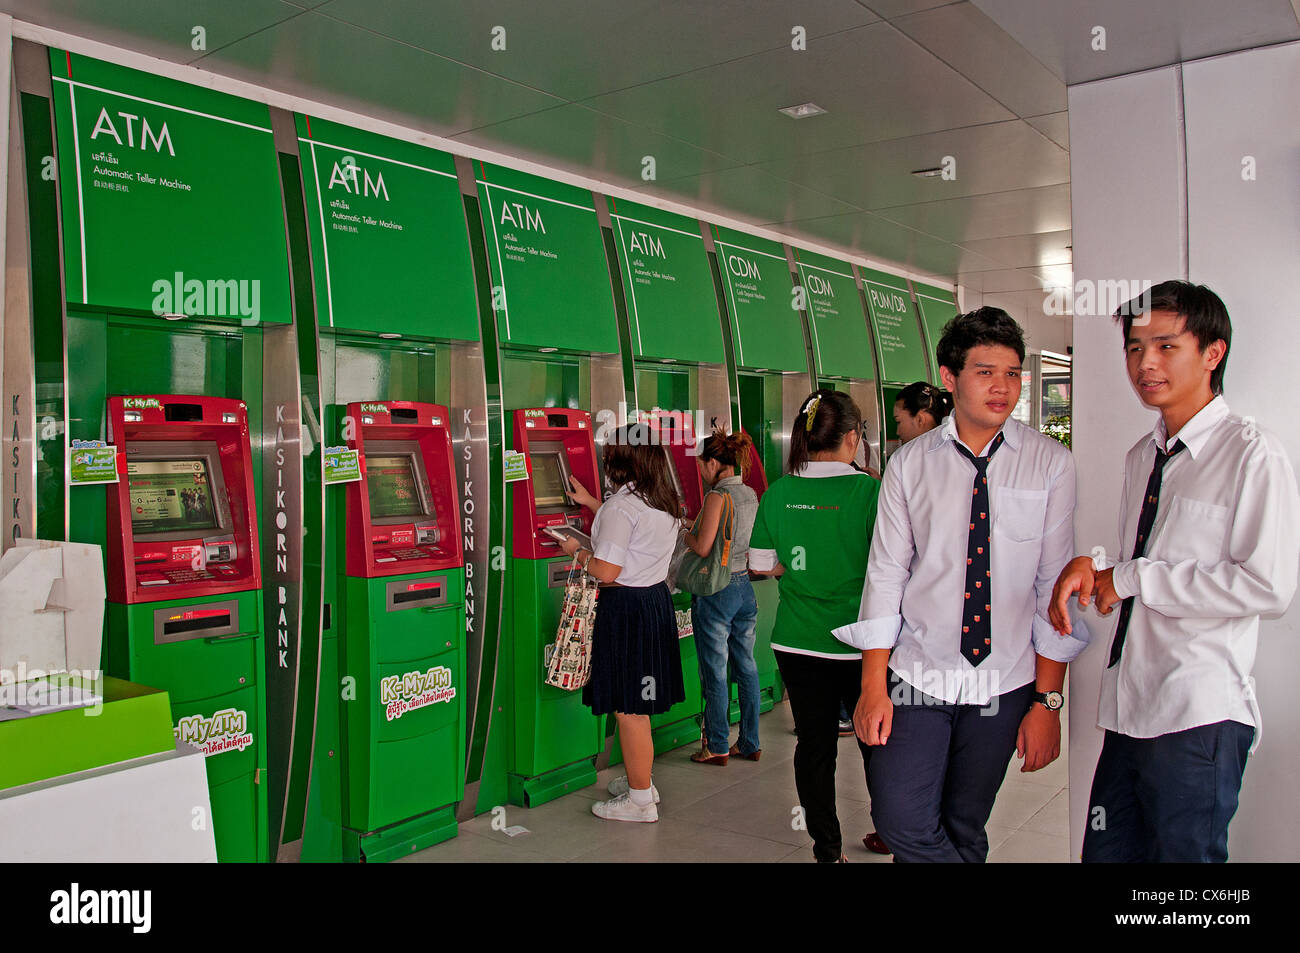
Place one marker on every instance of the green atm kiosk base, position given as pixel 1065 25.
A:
pixel 554 737
pixel 403 641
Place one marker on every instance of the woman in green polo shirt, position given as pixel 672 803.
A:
pixel 813 529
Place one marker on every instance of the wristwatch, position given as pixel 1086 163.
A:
pixel 1052 701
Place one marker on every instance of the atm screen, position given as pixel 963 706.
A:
pixel 168 496
pixel 393 486
pixel 548 479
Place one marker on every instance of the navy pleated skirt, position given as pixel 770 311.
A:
pixel 636 663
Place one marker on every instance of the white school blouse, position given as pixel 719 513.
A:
pixel 630 533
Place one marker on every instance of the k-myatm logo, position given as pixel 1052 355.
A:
pixel 226 730
pixel 374 408
pixel 399 694
pixel 140 403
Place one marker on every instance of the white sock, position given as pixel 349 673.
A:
pixel 641 798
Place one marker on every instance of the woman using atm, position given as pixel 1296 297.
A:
pixel 724 622
pixel 636 665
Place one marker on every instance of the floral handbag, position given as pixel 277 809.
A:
pixel 568 659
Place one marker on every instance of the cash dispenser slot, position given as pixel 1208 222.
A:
pixel 558 577
pixel 415 595
pixel 195 622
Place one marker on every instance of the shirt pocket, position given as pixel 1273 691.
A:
pixel 1191 530
pixel 1020 514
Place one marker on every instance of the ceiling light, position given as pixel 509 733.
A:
pixel 927 173
pixel 803 111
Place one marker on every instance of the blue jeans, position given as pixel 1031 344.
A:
pixel 1168 798
pixel 724 626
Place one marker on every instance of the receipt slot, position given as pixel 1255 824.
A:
pixel 185 591
pixel 403 645
pixel 554 738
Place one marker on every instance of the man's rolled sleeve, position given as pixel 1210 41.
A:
pixel 762 560
pixel 1050 644
pixel 867 634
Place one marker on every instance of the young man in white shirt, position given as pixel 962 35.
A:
pixel 960 667
pixel 1209 523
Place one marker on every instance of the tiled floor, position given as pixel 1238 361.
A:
pixel 745 812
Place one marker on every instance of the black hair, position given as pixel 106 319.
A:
pixel 1202 311
pixel 633 455
pixel 925 396
pixel 824 418
pixel 974 328
pixel 730 451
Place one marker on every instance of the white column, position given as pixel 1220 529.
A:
pixel 1156 168
pixel 1125 149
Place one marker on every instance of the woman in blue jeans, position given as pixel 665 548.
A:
pixel 724 622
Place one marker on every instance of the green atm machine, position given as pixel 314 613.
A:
pixel 842 350
pixel 554 738
pixel 171 292
pixel 562 386
pixel 675 337
pixel 772 380
pixel 900 346
pixel 403 617
pixel 399 364
pixel 185 591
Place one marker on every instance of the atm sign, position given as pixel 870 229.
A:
pixel 374 408
pixel 140 403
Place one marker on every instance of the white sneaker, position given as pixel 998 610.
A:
pixel 622 808
pixel 619 786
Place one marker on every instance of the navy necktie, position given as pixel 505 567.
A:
pixel 1150 503
pixel 976 632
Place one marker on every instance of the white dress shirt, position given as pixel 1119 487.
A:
pixel 1224 551
pixel 916 572
pixel 628 532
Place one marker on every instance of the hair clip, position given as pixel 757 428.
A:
pixel 810 409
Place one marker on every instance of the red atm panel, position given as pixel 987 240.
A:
pixel 557 442
pixel 755 476
pixel 675 432
pixel 403 514
pixel 182 521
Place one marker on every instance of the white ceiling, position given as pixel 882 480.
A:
pixel 594 87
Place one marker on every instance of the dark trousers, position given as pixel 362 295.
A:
pixel 1168 798
pixel 934 781
pixel 817 688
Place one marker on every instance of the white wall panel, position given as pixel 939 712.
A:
pixel 1245 244
pixel 1126 203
